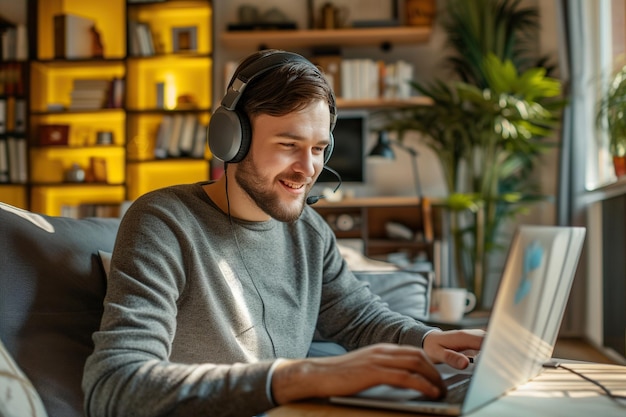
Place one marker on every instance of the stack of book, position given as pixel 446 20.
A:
pixel 180 135
pixel 89 94
pixel 13 149
pixel 372 79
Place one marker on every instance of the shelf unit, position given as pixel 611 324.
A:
pixel 304 38
pixel 127 157
pixel 52 80
pixel 385 37
pixel 14 106
pixel 367 219
pixel 13 113
pixel 180 72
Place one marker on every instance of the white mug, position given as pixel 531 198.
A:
pixel 452 303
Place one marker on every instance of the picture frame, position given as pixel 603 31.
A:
pixel 98 169
pixel 185 39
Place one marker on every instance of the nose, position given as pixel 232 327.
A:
pixel 307 163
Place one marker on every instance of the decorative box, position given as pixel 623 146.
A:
pixel 53 135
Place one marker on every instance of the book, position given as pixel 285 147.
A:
pixel 21 42
pixel 89 94
pixel 187 134
pixel 146 45
pixel 17 159
pixel 4 160
pixel 199 144
pixel 3 115
pixel 9 43
pixel 90 83
pixel 72 36
pixel 162 137
pixel 160 95
pixel 133 38
pixel 9 115
pixel 173 148
pixel 116 94
pixel 19 125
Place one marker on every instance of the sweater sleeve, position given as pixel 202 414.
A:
pixel 130 372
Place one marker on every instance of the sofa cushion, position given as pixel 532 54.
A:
pixel 407 292
pixel 51 291
pixel 404 291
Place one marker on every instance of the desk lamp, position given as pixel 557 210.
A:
pixel 383 149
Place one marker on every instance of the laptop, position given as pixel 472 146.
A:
pixel 522 330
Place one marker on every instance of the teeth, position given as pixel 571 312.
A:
pixel 294 186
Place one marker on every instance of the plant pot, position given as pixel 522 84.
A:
pixel 619 164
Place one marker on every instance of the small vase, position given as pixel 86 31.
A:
pixel 619 164
pixel 75 174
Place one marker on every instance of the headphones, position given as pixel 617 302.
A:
pixel 229 132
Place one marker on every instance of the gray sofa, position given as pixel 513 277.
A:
pixel 52 284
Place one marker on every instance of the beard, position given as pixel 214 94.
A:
pixel 260 191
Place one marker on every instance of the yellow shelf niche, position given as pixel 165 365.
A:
pixel 109 17
pixel 52 82
pixel 50 200
pixel 147 176
pixel 163 17
pixel 14 195
pixel 49 164
pixel 181 75
pixel 84 127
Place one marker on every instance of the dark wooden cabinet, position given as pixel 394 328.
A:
pixel 385 224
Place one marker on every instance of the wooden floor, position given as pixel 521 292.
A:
pixel 579 349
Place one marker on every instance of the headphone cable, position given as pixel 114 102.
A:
pixel 232 228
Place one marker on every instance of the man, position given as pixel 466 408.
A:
pixel 216 289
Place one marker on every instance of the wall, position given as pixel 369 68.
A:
pixel 13 10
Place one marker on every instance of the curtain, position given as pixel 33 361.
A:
pixel 586 55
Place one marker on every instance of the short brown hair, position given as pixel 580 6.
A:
pixel 286 89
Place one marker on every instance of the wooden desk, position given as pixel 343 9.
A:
pixel 556 392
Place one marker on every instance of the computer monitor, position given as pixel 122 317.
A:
pixel 350 134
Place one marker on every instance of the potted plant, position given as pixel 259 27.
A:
pixel 487 140
pixel 488 129
pixel 611 117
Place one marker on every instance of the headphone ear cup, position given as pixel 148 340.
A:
pixel 328 152
pixel 245 138
pixel 228 135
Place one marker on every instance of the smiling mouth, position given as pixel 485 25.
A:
pixel 292 185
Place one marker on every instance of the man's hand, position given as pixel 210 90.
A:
pixel 397 365
pixel 451 347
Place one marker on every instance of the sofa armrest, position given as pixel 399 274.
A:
pixel 52 288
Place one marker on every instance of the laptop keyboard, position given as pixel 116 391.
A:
pixel 457 385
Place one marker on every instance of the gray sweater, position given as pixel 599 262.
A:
pixel 198 308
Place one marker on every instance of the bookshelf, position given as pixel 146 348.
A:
pixel 13 106
pixel 367 220
pixel 327 46
pixel 94 109
pixel 72 106
pixel 169 93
